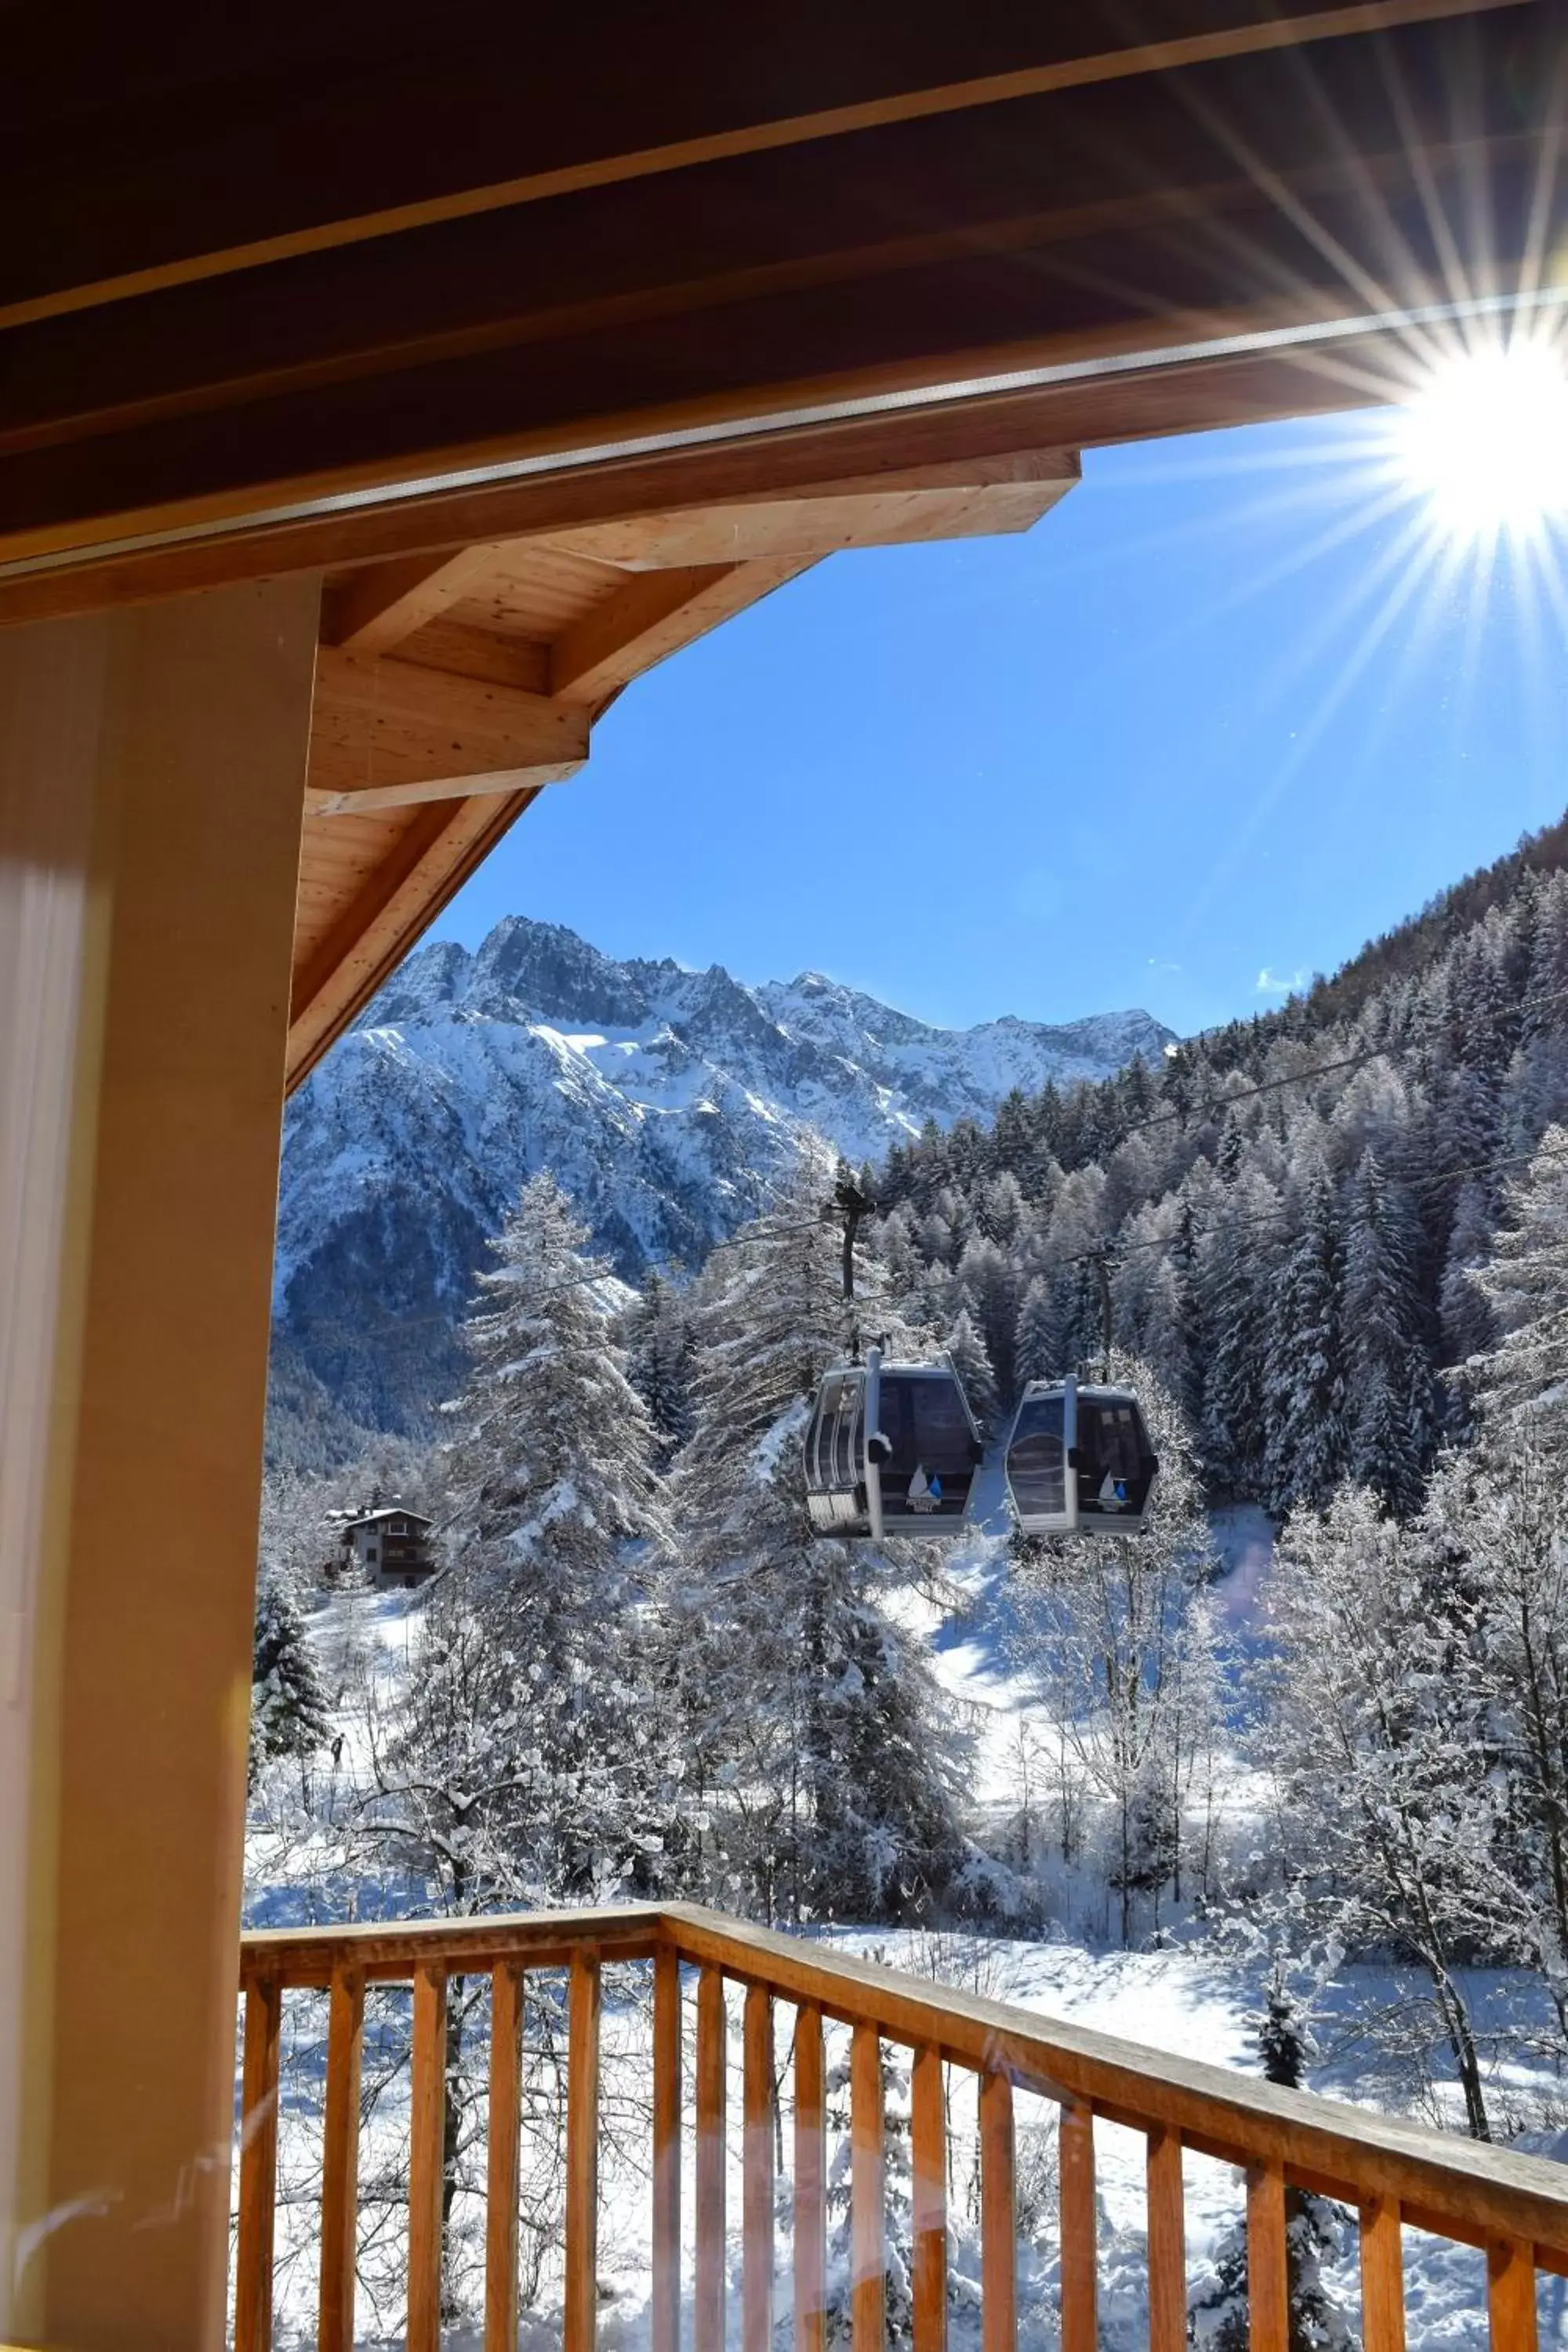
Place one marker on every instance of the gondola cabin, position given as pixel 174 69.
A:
pixel 890 1450
pixel 1079 1461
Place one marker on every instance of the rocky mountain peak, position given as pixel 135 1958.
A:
pixel 667 1101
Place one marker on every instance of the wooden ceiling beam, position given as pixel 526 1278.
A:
pixel 653 616
pixel 1233 388
pixel 961 500
pixel 729 97
pixel 386 733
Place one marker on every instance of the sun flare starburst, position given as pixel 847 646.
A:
pixel 1485 442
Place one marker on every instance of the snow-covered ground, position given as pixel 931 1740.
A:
pixel 1180 2000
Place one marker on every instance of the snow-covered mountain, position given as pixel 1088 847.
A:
pixel 666 1101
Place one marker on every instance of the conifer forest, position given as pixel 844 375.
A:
pixel 1299 1748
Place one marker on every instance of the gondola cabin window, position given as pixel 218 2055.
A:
pixel 1037 1459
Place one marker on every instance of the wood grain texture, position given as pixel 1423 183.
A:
pixel 664 2318
pixel 427 2132
pixel 340 2160
pixel 635 626
pixel 757 2171
pixel 1167 2243
pixel 713 2064
pixel 1457 2188
pixel 258 2166
pixel 1079 2251
pixel 1511 2296
pixel 998 495
pixel 383 604
pixel 928 2189
pixel 654 155
pixel 376 924
pixel 1381 2277
pixel 1448 2186
pixel 580 2323
pixel 999 2223
pixel 868 2193
pixel 810 2183
pixel 379 1949
pixel 381 724
pixel 1268 2275
pixel 747 462
pixel 503 2141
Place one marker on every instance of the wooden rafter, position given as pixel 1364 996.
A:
pixel 378 607
pixel 654 615
pixel 452 687
pixel 1066 59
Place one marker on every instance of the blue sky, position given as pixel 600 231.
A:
pixel 1207 728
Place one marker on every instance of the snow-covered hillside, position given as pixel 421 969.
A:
pixel 667 1102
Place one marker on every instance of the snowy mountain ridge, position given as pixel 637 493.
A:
pixel 668 1103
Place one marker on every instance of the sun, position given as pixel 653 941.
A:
pixel 1485 442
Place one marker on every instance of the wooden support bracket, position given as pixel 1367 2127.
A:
pixel 388 734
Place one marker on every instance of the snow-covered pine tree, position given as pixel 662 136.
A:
pixel 547 1621
pixel 1525 1376
pixel 1389 1407
pixel 822 1758
pixel 288 1710
pixel 1234 1293
pixel 1037 1334
pixel 1463 1308
pixel 990 1289
pixel 1304 1382
pixel 660 1362
pixel 1217 2311
pixel 967 1353
pixel 552 1472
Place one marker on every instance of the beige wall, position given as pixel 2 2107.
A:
pixel 151 774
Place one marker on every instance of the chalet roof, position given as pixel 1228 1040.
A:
pixel 386 1511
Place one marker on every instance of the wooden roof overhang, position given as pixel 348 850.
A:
pixel 553 344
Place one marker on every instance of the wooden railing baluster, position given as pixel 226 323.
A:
pixel 1511 2296
pixel 502 2163
pixel 757 2171
pixel 666 2101
pixel 712 2059
pixel 258 2166
pixel 810 2182
pixel 998 2227
pixel 1393 2172
pixel 1268 2279
pixel 1079 2280
pixel 868 2193
pixel 1382 2276
pixel 1167 2243
pixel 927 2158
pixel 427 2137
pixel 581 2318
pixel 340 2160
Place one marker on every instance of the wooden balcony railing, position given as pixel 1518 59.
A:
pixel 1392 2173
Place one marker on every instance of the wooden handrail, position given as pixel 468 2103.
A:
pixel 1393 2172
